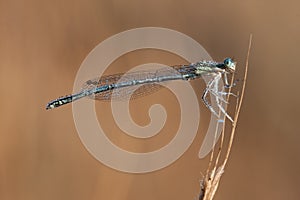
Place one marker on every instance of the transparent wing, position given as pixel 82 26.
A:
pixel 134 90
pixel 124 93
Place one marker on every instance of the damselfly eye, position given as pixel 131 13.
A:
pixel 228 62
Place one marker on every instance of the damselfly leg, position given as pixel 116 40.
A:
pixel 217 92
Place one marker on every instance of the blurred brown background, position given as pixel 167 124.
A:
pixel 42 44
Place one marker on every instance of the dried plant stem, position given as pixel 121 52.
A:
pixel 212 177
pixel 239 104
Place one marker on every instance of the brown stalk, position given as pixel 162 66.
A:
pixel 210 183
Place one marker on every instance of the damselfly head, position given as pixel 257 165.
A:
pixel 229 64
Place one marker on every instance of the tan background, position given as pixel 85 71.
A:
pixel 42 44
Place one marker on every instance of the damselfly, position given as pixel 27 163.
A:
pixel 118 85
